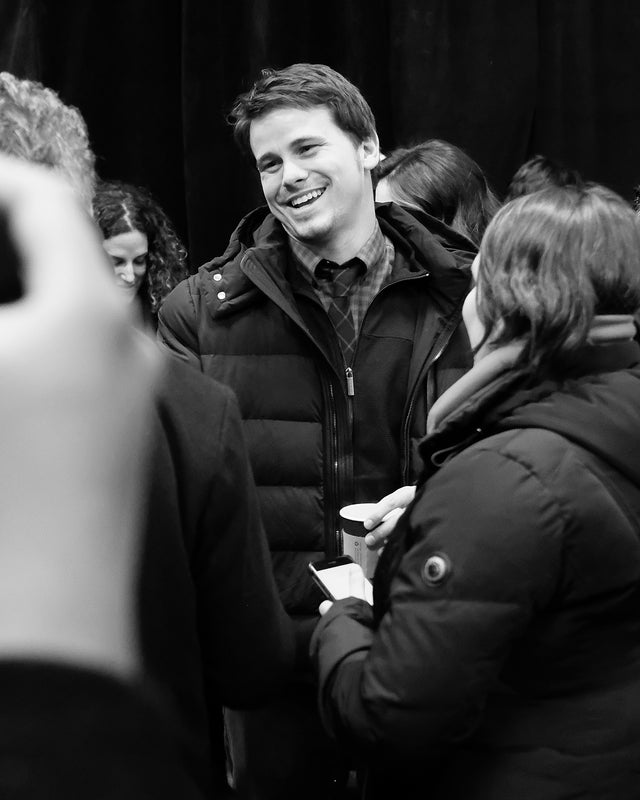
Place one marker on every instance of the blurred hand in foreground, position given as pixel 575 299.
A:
pixel 77 384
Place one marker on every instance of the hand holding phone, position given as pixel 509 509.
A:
pixel 341 577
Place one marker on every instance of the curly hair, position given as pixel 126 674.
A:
pixel 36 126
pixel 442 180
pixel 121 207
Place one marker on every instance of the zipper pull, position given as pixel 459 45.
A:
pixel 350 390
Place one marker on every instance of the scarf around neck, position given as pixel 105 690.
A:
pixel 605 329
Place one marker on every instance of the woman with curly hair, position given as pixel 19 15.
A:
pixel 148 258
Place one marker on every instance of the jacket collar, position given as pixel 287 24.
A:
pixel 449 238
pixel 595 406
pixel 605 330
pixel 258 249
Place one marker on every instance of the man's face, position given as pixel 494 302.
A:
pixel 315 179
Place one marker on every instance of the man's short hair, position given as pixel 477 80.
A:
pixel 303 86
pixel 36 126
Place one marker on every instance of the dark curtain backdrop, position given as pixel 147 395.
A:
pixel 504 79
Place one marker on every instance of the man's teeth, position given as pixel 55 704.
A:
pixel 307 198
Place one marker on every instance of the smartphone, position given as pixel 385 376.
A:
pixel 332 576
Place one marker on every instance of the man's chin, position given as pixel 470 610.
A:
pixel 313 232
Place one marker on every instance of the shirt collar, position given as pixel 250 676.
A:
pixel 372 252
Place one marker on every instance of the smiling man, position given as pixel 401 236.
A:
pixel 337 324
pixel 316 178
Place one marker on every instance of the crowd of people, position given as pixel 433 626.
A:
pixel 177 447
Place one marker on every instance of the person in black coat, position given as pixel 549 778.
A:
pixel 212 627
pixel 501 658
pixel 75 719
pixel 337 325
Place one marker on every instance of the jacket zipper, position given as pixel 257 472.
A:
pixel 350 386
pixel 335 460
pixel 349 376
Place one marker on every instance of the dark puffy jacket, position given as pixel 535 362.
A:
pixel 249 320
pixel 508 662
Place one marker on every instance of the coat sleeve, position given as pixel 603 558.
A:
pixel 422 681
pixel 246 636
pixel 177 326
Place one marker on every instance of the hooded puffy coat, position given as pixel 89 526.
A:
pixel 506 663
pixel 251 321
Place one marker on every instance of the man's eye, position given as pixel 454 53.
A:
pixel 268 166
pixel 308 148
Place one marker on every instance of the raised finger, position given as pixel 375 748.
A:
pixel 52 233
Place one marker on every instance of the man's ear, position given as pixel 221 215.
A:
pixel 371 152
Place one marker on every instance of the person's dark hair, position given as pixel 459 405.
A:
pixel 549 263
pixel 540 172
pixel 303 86
pixel 442 180
pixel 636 199
pixel 121 207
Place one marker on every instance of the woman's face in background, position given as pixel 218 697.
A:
pixel 129 254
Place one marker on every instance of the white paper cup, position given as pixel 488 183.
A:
pixel 353 532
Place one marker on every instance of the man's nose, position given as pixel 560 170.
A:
pixel 125 273
pixel 293 172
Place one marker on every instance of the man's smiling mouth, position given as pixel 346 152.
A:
pixel 306 199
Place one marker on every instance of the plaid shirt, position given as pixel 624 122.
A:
pixel 377 254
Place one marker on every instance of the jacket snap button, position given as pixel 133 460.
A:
pixel 221 295
pixel 217 276
pixel 436 568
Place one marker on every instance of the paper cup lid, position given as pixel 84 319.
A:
pixel 353 516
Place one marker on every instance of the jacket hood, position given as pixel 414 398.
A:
pixel 599 412
pixel 450 239
pixel 227 289
pixel 597 408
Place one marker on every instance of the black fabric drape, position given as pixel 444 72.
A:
pixel 502 79
pixel 120 63
pixel 19 38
